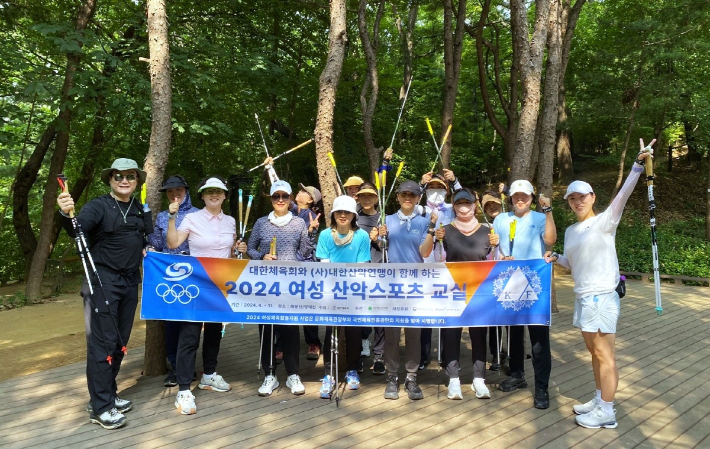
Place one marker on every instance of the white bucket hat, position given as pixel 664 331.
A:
pixel 345 203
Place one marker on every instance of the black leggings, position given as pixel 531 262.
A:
pixel 290 339
pixel 451 350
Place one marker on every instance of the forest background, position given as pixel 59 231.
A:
pixel 547 90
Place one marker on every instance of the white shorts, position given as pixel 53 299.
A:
pixel 597 312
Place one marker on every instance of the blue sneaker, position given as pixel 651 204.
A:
pixel 328 387
pixel 352 379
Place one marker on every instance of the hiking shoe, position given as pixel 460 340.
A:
pixel 413 390
pixel 110 419
pixel 328 387
pixel 352 379
pixel 185 403
pixel 581 409
pixel 392 388
pixel 170 379
pixel 216 383
pixel 454 389
pixel 269 385
pixel 313 352
pixel 122 405
pixel 596 419
pixel 513 383
pixel 479 386
pixel 365 348
pixel 378 368
pixel 294 383
pixel 542 399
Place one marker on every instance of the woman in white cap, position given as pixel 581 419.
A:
pixel 292 243
pixel 209 233
pixel 590 252
pixel 344 242
pixel 465 239
pixel 523 235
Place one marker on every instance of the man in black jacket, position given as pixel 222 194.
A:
pixel 114 227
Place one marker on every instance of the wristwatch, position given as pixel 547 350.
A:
pixel 431 232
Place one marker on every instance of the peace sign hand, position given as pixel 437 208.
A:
pixel 313 225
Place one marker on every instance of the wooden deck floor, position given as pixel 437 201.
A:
pixel 663 398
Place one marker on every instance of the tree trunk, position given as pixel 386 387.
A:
pixel 157 159
pixel 328 87
pixel 622 158
pixel 49 206
pixel 549 110
pixel 529 57
pixel 564 149
pixel 24 180
pixel 453 48
pixel 371 83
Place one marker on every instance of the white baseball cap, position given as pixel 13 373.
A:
pixel 213 183
pixel 578 187
pixel 521 186
pixel 345 203
pixel 280 186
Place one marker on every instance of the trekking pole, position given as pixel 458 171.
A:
pixel 261 348
pixel 335 167
pixel 262 134
pixel 401 109
pixel 436 145
pixel 148 215
pixel 337 373
pixel 396 177
pixel 241 211
pixel 512 236
pixel 83 250
pixel 283 154
pixel 652 213
pixel 381 221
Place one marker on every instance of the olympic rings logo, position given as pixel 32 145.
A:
pixel 173 293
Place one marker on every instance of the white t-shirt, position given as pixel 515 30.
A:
pixel 590 251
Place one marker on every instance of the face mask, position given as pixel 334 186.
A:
pixel 436 196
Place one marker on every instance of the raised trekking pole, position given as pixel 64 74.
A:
pixel 283 154
pixel 433 139
pixel 652 214
pixel 263 140
pixel 383 239
pixel 396 177
pixel 87 261
pixel 401 109
pixel 335 167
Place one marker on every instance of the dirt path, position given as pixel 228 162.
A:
pixel 42 336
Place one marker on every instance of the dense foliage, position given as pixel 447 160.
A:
pixel 234 58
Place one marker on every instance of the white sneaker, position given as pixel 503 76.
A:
pixel 587 407
pixel 294 383
pixel 216 383
pixel 269 385
pixel 479 386
pixel 185 403
pixel 454 389
pixel 596 419
pixel 365 348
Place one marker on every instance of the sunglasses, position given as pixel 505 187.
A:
pixel 212 191
pixel 282 197
pixel 118 177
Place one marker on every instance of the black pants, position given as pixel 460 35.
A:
pixel 188 342
pixel 172 332
pixel 378 345
pixel 310 334
pixel 426 345
pixel 353 344
pixel 102 335
pixel 541 358
pixel 451 350
pixel 365 333
pixel 290 344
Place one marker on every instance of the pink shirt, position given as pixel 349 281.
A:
pixel 209 235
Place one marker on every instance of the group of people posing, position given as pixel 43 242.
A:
pixel 446 228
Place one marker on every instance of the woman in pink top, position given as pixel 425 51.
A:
pixel 210 233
